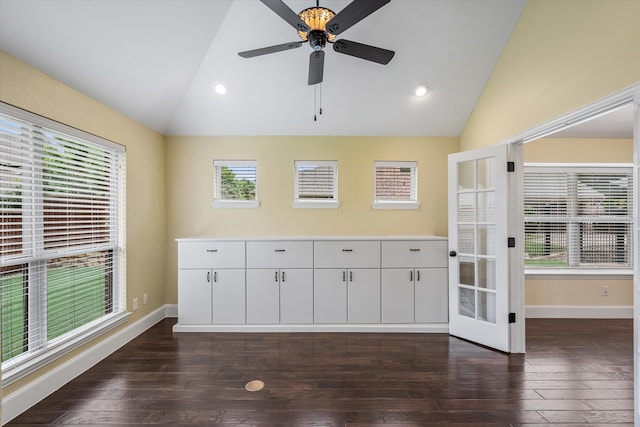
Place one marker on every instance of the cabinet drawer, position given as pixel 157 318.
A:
pixel 280 254
pixel 417 253
pixel 210 254
pixel 346 254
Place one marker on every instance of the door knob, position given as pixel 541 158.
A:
pixel 452 254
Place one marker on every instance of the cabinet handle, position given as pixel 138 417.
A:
pixel 347 250
pixel 344 276
pixel 283 276
pixel 417 275
pixel 279 250
pixel 414 250
pixel 215 276
pixel 351 276
pixel 411 275
pixel 212 250
pixel 276 276
pixel 208 277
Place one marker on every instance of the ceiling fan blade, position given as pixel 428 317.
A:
pixel 316 67
pixel 283 11
pixel 363 51
pixel 270 49
pixel 353 13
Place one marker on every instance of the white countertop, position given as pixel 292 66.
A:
pixel 296 238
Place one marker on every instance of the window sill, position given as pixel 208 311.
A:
pixel 316 204
pixel 21 368
pixel 396 205
pixel 552 273
pixel 235 204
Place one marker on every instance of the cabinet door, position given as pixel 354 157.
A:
pixel 296 296
pixel 398 295
pixel 330 296
pixel 263 296
pixel 228 297
pixel 194 297
pixel 363 296
pixel 432 295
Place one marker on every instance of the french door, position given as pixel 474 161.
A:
pixel 478 244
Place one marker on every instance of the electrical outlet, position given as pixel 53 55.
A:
pixel 605 291
pixel 145 299
pixel 135 303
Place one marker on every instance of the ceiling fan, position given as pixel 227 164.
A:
pixel 319 25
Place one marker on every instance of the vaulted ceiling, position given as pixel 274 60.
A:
pixel 156 60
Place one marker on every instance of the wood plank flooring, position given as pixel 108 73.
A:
pixel 575 372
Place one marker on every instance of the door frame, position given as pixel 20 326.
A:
pixel 629 95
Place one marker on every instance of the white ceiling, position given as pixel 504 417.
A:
pixel 155 61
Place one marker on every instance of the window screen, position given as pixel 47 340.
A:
pixel 316 182
pixel 62 200
pixel 395 185
pixel 578 216
pixel 235 181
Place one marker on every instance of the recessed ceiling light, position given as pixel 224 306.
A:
pixel 220 88
pixel 421 90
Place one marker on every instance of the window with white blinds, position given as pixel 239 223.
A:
pixel 61 240
pixel 235 183
pixel 395 185
pixel 316 184
pixel 578 216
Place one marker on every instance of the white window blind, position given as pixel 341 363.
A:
pixel 235 183
pixel 61 241
pixel 578 216
pixel 395 185
pixel 316 184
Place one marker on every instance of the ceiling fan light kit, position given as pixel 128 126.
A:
pixel 319 26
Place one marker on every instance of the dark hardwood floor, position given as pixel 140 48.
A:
pixel 575 372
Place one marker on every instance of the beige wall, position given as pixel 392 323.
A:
pixel 563 54
pixel 574 150
pixel 585 290
pixel 27 88
pixel 190 188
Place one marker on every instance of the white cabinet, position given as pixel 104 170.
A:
pixel 279 282
pixel 346 282
pixel 211 283
pixel 414 282
pixel 357 284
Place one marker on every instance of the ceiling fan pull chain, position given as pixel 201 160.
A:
pixel 315 102
pixel 320 98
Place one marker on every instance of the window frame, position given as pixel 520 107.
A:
pixel 592 269
pixel 412 203
pixel 219 202
pixel 34 258
pixel 304 203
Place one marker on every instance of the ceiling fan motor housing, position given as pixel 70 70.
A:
pixel 317 39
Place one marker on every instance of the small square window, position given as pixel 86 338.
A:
pixel 235 184
pixel 396 185
pixel 316 184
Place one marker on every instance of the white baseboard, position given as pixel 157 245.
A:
pixel 396 328
pixel 171 310
pixel 579 312
pixel 22 399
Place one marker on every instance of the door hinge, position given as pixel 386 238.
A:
pixel 511 166
pixel 511 242
pixel 512 318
